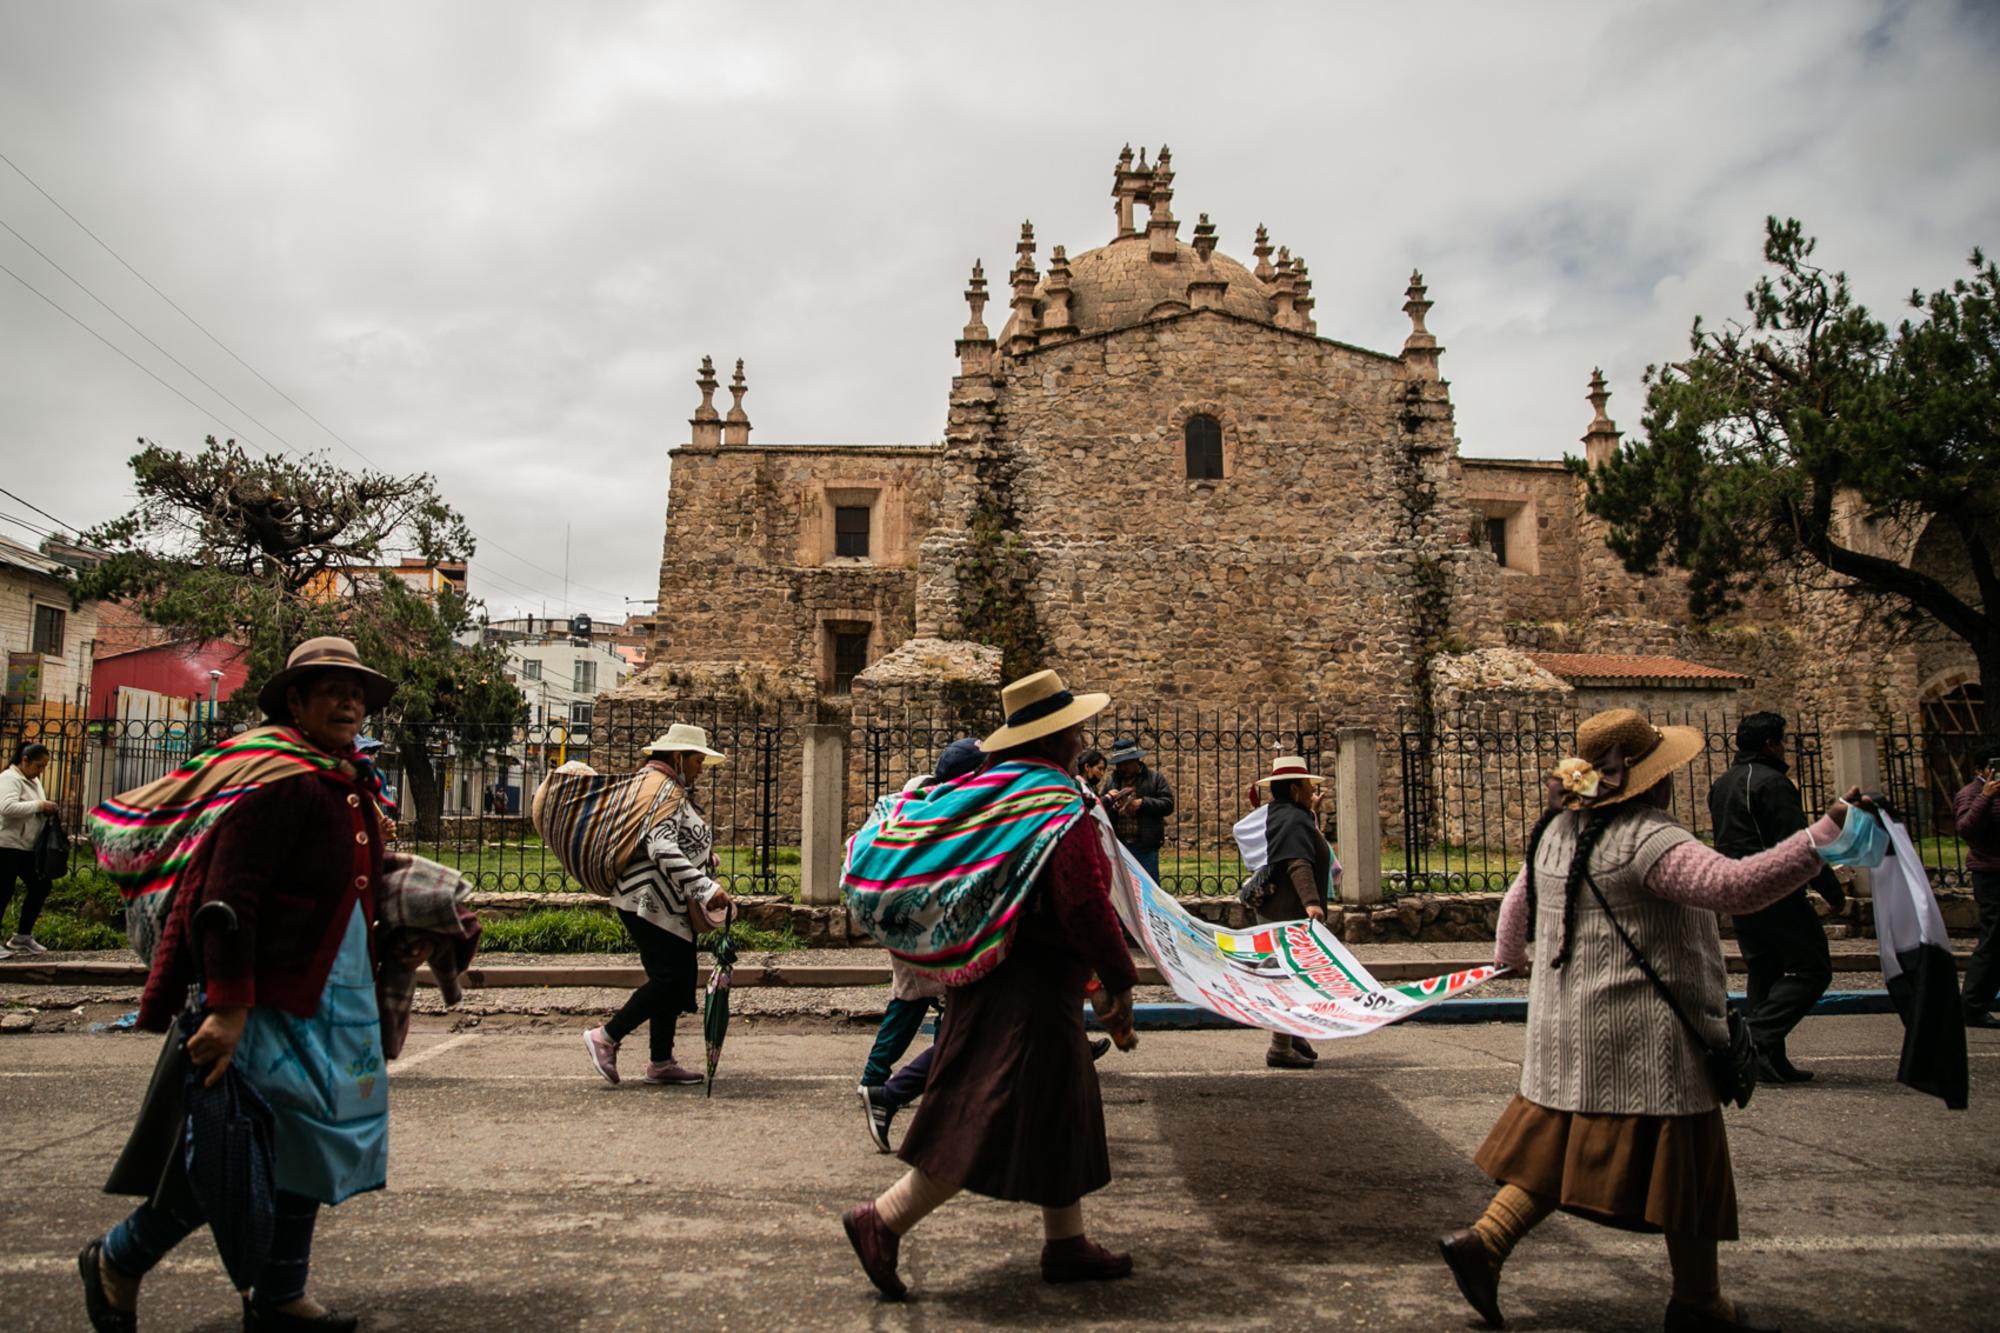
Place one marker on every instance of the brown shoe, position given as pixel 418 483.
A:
pixel 1080 1259
pixel 1472 1264
pixel 1683 1318
pixel 876 1247
pixel 1286 1059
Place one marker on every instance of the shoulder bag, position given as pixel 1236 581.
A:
pixel 51 851
pixel 1732 1066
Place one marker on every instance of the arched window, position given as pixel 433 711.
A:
pixel 1204 449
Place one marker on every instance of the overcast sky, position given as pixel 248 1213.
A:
pixel 493 241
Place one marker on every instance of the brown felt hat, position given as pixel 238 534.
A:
pixel 328 653
pixel 1619 755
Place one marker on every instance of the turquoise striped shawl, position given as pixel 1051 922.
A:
pixel 938 876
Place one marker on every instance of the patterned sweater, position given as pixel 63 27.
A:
pixel 670 866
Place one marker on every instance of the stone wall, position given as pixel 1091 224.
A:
pixel 1540 503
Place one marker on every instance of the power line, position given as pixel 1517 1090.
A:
pixel 39 510
pixel 333 434
pixel 35 528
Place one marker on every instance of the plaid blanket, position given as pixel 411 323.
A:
pixel 593 822
pixel 938 877
pixel 145 838
pixel 420 914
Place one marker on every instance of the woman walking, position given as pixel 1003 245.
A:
pixel 280 823
pixel 24 809
pixel 665 898
pixel 1300 869
pixel 1002 883
pixel 1623 1129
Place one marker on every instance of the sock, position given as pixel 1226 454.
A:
pixel 1062 1223
pixel 1512 1214
pixel 911 1199
pixel 1697 1280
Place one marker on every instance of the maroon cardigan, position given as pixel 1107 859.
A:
pixel 291 858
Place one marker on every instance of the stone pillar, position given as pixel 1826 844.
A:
pixel 736 425
pixel 1420 349
pixel 1856 764
pixel 1600 442
pixel 706 421
pixel 1358 801
pixel 822 814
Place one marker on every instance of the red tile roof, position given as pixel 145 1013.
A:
pixel 1624 669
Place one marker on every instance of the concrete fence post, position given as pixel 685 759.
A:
pixel 1358 801
pixel 822 812
pixel 1856 763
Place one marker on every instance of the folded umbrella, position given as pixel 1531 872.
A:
pixel 232 1168
pixel 715 1007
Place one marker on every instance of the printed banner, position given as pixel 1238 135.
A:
pixel 1294 977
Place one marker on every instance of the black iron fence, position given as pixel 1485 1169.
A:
pixel 1474 784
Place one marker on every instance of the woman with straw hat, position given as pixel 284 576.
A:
pixel 1299 869
pixel 1617 1120
pixel 665 898
pixel 1000 884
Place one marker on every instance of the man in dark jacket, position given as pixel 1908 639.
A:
pixel 1139 801
pixel 1754 806
pixel 1977 809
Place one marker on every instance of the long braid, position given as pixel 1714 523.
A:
pixel 1534 845
pixel 1579 866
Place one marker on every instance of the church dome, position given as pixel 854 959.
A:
pixel 1118 285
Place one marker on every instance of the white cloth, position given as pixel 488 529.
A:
pixel 1252 838
pixel 21 816
pixel 1906 911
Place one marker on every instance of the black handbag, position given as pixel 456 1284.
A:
pixel 1257 889
pixel 1732 1066
pixel 51 850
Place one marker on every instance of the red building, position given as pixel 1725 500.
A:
pixel 174 670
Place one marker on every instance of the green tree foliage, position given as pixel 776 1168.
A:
pixel 257 551
pixel 1814 437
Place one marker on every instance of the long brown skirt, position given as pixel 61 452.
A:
pixel 1012 1108
pixel 1638 1172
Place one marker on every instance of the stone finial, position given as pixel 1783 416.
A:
pixel 1162 230
pixel 707 422
pixel 1026 324
pixel 1209 286
pixel 1262 250
pixel 1420 349
pixel 1600 442
pixel 1204 238
pixel 975 296
pixel 736 425
pixel 1056 321
pixel 1125 190
pixel 1284 291
pixel 1302 295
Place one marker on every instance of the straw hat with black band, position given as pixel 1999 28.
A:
pixel 1041 705
pixel 681 738
pixel 1289 768
pixel 1620 755
pixel 327 653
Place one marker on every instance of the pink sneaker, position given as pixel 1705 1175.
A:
pixel 670 1072
pixel 603 1053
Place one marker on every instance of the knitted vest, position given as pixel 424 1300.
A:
pixel 1600 1038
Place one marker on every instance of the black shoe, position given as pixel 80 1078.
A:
pixel 104 1316
pixel 1099 1047
pixel 1777 1069
pixel 1982 1021
pixel 277 1321
pixel 1692 1319
pixel 1467 1258
pixel 879 1111
pixel 1304 1047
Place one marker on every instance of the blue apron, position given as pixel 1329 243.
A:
pixel 326 1081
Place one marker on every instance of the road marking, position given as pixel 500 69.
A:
pixel 408 1062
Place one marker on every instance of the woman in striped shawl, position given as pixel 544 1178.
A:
pixel 1000 883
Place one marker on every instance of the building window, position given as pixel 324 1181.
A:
pixel 1204 449
pixel 49 630
pixel 848 650
pixel 850 531
pixel 585 680
pixel 1496 539
pixel 531 670
pixel 579 716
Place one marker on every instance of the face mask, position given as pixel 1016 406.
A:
pixel 1862 841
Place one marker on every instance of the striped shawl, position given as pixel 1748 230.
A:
pixel 593 821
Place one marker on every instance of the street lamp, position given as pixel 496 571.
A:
pixel 214 688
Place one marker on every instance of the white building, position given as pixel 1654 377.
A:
pixel 561 678
pixel 49 642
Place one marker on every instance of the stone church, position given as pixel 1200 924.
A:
pixel 1164 478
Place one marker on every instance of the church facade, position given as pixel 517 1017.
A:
pixel 1160 476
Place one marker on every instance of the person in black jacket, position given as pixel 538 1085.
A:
pixel 1754 806
pixel 1139 802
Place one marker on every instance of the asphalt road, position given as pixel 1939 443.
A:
pixel 527 1195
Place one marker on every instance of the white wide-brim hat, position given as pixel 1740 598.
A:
pixel 681 738
pixel 1041 705
pixel 1290 768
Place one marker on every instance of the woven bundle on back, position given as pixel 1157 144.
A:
pixel 593 822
